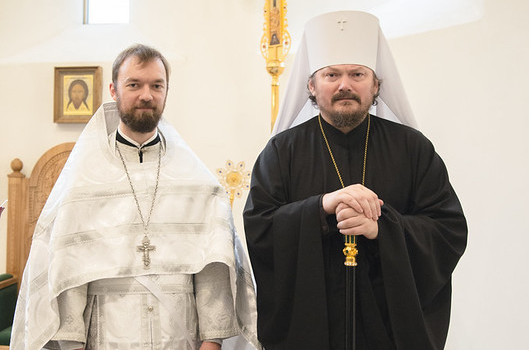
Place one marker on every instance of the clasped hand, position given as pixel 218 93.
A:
pixel 357 210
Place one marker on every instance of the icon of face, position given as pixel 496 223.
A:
pixel 77 95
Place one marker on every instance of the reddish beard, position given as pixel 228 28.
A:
pixel 143 122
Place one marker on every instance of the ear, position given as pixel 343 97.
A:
pixel 311 86
pixel 376 87
pixel 113 91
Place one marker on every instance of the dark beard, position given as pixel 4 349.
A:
pixel 347 120
pixel 143 123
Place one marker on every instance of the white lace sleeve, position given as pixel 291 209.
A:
pixel 72 304
pixel 216 316
pixel 70 345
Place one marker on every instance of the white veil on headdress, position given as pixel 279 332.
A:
pixel 344 37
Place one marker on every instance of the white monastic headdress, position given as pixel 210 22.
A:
pixel 344 37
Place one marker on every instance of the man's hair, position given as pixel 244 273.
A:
pixel 144 54
pixel 312 98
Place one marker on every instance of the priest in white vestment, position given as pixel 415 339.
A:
pixel 135 247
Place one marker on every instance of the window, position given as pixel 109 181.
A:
pixel 106 11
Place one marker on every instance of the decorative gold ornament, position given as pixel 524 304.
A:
pixel 275 45
pixel 234 179
pixel 350 252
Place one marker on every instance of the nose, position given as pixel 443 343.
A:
pixel 145 94
pixel 345 83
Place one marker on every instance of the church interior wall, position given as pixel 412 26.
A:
pixel 464 84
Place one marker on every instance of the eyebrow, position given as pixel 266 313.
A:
pixel 134 80
pixel 359 69
pixel 330 69
pixel 356 69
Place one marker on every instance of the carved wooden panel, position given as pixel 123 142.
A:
pixel 27 197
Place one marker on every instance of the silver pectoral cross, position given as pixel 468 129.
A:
pixel 341 23
pixel 146 248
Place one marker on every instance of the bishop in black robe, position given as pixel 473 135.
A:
pixel 403 288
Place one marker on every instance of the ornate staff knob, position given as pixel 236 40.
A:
pixel 350 253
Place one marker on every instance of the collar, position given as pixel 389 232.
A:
pixel 354 138
pixel 124 139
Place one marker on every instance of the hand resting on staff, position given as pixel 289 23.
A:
pixel 357 197
pixel 351 222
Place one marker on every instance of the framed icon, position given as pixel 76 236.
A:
pixel 77 93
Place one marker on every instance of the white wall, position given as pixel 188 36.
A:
pixel 467 88
pixel 465 84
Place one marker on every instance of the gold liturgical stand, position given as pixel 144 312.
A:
pixel 275 45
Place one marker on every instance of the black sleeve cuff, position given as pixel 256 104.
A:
pixel 328 222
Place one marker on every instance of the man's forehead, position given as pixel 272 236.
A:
pixel 132 63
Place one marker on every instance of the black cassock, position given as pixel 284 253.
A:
pixel 403 277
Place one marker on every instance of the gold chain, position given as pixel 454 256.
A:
pixel 330 152
pixel 350 250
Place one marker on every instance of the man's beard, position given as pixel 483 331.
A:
pixel 76 103
pixel 347 119
pixel 145 122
